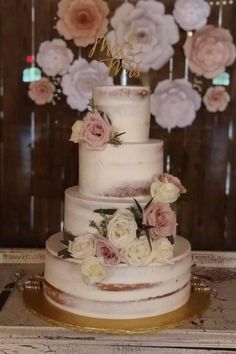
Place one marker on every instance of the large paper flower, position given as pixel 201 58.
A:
pixel 216 99
pixel 41 91
pixel 174 103
pixel 77 84
pixel 82 20
pixel 209 51
pixel 149 32
pixel 54 57
pixel 191 14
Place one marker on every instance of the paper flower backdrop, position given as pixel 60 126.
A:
pixel 209 51
pixel 216 99
pixel 191 14
pixel 151 32
pixel 42 91
pixel 82 77
pixel 82 20
pixel 174 103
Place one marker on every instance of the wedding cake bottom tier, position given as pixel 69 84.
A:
pixel 79 210
pixel 126 292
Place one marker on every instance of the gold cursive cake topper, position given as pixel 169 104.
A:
pixel 119 56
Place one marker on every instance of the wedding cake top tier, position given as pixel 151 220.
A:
pixel 128 108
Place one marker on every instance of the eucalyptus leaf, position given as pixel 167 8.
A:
pixel 147 205
pixel 138 206
pixel 171 239
pixel 105 211
pixel 62 252
pixel 65 242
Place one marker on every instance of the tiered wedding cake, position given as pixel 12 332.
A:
pixel 119 256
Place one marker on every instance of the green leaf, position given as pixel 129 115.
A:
pixel 66 255
pixel 119 134
pixel 105 211
pixel 147 205
pixel 65 242
pixel 171 239
pixel 138 206
pixel 138 233
pixel 147 227
pixel 62 252
pixel 136 216
pixel 148 238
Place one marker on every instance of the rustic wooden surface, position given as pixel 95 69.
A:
pixel 215 332
pixel 37 162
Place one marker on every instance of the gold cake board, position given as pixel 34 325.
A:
pixel 193 309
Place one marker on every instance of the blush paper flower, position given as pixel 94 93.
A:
pixel 54 57
pixel 148 30
pixel 82 20
pixel 77 84
pixel 209 51
pixel 191 14
pixel 41 91
pixel 216 99
pixel 174 103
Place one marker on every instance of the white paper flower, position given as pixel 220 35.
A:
pixel 149 32
pixel 191 14
pixel 92 269
pixel 54 57
pixel 83 246
pixel 162 250
pixel 164 192
pixel 121 229
pixel 174 103
pixel 76 130
pixel 77 84
pixel 138 252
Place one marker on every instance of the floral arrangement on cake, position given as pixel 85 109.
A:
pixel 140 35
pixel 135 236
pixel 95 130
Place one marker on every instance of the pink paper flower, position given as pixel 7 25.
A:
pixel 41 91
pixel 96 131
pixel 216 99
pixel 82 20
pixel 162 218
pixel 209 51
pixel 167 178
pixel 106 250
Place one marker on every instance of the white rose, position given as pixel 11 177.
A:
pixel 54 57
pixel 147 33
pixel 121 229
pixel 162 250
pixel 76 129
pixel 138 252
pixel 82 246
pixel 191 14
pixel 92 269
pixel 77 84
pixel 164 192
pixel 174 103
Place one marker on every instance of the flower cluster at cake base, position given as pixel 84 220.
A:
pixel 95 130
pixel 136 236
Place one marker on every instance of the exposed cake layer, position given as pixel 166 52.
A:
pixel 123 171
pixel 135 291
pixel 79 209
pixel 128 109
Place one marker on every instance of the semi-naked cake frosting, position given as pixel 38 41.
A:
pixel 118 256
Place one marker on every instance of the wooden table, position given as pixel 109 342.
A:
pixel 22 332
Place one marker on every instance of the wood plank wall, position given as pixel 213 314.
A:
pixel 37 162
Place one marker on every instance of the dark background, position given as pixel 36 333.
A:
pixel 37 162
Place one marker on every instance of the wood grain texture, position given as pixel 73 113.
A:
pixel 35 173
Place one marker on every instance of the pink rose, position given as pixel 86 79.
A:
pixel 216 99
pixel 41 91
pixel 96 131
pixel 167 178
pixel 106 250
pixel 209 50
pixel 82 20
pixel 162 218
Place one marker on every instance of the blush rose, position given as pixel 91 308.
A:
pixel 162 219
pixel 106 250
pixel 216 99
pixel 96 131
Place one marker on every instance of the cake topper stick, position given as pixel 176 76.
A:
pixel 124 77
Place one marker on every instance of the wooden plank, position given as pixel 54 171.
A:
pixel 15 43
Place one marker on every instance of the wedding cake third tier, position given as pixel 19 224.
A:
pixel 119 256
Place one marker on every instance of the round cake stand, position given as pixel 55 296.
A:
pixel 38 304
